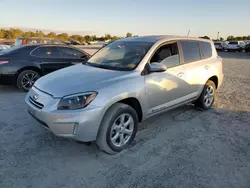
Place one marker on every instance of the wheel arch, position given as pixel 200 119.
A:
pixel 38 70
pixel 215 80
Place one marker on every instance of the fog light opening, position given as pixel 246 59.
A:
pixel 76 125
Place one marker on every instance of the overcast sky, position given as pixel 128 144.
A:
pixel 142 17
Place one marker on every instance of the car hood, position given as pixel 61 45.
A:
pixel 77 79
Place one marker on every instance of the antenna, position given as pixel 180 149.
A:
pixel 188 32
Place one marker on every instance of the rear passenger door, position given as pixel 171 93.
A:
pixel 49 58
pixel 196 56
pixel 73 56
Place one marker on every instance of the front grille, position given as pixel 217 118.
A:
pixel 35 103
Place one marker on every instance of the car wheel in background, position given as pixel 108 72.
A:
pixel 26 79
pixel 207 97
pixel 118 128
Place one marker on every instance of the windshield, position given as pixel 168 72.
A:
pixel 120 55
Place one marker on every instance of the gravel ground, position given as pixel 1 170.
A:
pixel 181 148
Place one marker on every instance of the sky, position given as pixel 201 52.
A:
pixel 140 17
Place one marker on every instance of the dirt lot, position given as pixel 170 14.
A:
pixel 181 148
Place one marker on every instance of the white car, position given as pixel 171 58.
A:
pixel 219 45
pixel 236 46
pixel 3 47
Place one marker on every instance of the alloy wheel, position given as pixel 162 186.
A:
pixel 29 79
pixel 122 130
pixel 209 96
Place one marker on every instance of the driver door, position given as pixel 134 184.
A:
pixel 166 89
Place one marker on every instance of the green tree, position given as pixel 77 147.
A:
pixel 230 38
pixel 238 38
pixel 205 37
pixel 39 34
pixel 221 39
pixel 77 38
pixel 51 35
pixel 115 38
pixel 29 34
pixel 88 38
pixel 108 37
pixel 63 36
pixel 128 35
pixel 1 33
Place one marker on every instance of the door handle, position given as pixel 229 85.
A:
pixel 180 74
pixel 206 67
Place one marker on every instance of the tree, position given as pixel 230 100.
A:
pixel 63 36
pixel 1 33
pixel 205 37
pixel 39 34
pixel 88 38
pixel 221 39
pixel 107 37
pixel 230 38
pixel 115 38
pixel 128 35
pixel 51 35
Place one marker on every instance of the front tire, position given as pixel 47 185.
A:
pixel 207 97
pixel 118 128
pixel 26 79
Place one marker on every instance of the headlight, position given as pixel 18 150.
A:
pixel 77 101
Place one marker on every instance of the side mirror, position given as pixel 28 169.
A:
pixel 157 67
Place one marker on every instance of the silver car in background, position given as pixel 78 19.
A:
pixel 124 83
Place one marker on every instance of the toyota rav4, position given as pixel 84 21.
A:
pixel 123 84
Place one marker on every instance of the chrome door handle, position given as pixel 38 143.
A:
pixel 180 74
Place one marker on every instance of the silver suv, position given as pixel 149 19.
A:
pixel 124 83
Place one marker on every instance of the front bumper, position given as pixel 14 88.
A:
pixel 82 125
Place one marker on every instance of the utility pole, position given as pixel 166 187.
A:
pixel 218 35
pixel 188 32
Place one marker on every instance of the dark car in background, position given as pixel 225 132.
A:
pixel 23 65
pixel 36 40
pixel 247 48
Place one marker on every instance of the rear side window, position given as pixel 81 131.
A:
pixel 46 52
pixel 206 49
pixel 191 51
pixel 70 53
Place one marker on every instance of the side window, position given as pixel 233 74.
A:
pixel 70 53
pixel 47 52
pixel 168 55
pixel 206 49
pixel 191 51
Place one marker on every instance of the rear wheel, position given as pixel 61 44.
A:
pixel 207 96
pixel 26 79
pixel 118 128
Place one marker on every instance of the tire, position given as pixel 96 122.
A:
pixel 22 79
pixel 202 101
pixel 109 128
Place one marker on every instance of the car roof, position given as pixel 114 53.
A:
pixel 36 38
pixel 56 45
pixel 155 38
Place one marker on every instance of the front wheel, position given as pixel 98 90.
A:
pixel 118 128
pixel 26 79
pixel 207 96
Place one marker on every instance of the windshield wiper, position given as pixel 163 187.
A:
pixel 106 66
